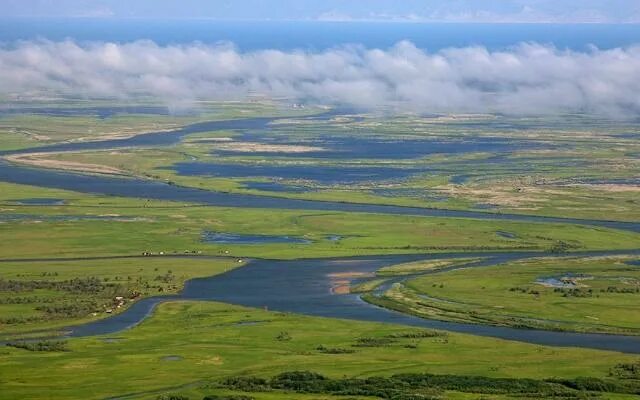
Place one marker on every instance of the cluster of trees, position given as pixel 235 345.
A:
pixel 580 292
pixel 560 246
pixel 428 386
pixel 283 337
pixel 626 371
pixel 76 285
pixel 574 292
pixel 208 397
pixel 373 342
pixel 25 300
pixel 43 345
pixel 166 278
pixel 334 350
pixel 89 295
pixel 524 290
pixel 15 320
pixel 615 289
pixel 424 333
pixel 69 310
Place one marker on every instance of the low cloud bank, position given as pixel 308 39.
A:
pixel 528 79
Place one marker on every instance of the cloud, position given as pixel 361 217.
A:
pixel 527 79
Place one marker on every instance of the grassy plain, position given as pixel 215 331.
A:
pixel 187 345
pixel 423 266
pixel 47 295
pixel 583 294
pixel 88 225
pixel 93 226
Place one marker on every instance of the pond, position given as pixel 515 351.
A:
pixel 275 187
pixel 506 235
pixel 237 238
pixel 563 281
pixel 321 173
pixel 35 201
pixel 422 194
pixel 363 146
pixel 66 218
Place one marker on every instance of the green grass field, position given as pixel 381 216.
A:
pixel 93 226
pixel 210 341
pixel 88 289
pixel 589 294
pixel 88 258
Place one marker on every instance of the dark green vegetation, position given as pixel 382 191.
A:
pixel 429 386
pixel 86 257
pixel 44 345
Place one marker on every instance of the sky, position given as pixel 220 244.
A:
pixel 494 11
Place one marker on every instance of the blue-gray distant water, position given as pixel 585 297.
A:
pixel 251 35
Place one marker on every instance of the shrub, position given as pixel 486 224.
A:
pixel 44 345
pixel 247 384
pixel 171 397
pixel 334 350
pixel 373 342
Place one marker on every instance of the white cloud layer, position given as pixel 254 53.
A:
pixel 528 79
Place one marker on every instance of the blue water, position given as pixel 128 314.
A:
pixel 562 280
pixel 302 286
pixel 350 147
pixel 100 112
pixel 275 187
pixel 321 35
pixel 324 174
pixel 506 235
pixel 11 217
pixel 37 201
pixel 237 238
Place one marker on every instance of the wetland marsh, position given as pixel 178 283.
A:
pixel 364 228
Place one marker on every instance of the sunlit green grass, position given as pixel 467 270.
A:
pixel 147 276
pixel 510 295
pixel 212 342
pixel 135 226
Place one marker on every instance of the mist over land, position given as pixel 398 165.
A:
pixel 529 78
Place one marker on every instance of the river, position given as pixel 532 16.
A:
pixel 299 286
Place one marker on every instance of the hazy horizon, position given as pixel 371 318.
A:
pixel 504 11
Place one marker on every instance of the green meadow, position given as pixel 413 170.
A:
pixel 597 294
pixel 89 257
pixel 80 291
pixel 94 226
pixel 187 347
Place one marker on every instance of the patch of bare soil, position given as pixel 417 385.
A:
pixel 43 160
